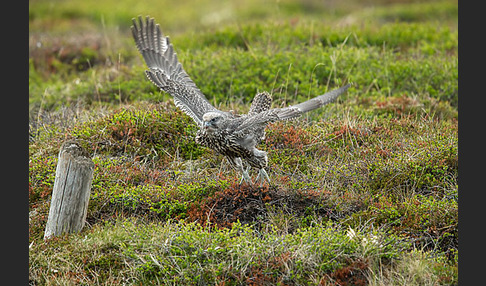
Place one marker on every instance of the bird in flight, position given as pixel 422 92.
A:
pixel 234 136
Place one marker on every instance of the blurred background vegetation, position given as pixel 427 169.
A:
pixel 82 51
pixel 199 16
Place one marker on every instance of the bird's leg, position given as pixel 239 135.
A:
pixel 246 177
pixel 248 169
pixel 262 175
pixel 239 166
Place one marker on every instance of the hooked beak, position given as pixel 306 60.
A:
pixel 206 124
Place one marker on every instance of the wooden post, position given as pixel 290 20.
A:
pixel 70 195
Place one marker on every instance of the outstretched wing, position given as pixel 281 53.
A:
pixel 261 119
pixel 166 71
pixel 311 104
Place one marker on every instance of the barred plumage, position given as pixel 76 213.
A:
pixel 235 137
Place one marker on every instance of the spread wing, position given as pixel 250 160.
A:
pixel 260 120
pixel 166 71
pixel 311 104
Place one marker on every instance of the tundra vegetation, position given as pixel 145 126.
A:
pixel 364 191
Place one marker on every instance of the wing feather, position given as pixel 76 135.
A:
pixel 311 104
pixel 261 102
pixel 165 70
pixel 260 120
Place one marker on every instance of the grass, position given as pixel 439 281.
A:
pixel 186 253
pixel 364 191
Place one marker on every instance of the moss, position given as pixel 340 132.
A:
pixel 145 134
pixel 42 172
pixel 152 252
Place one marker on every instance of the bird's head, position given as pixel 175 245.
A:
pixel 212 121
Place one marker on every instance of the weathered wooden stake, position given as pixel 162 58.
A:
pixel 70 195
